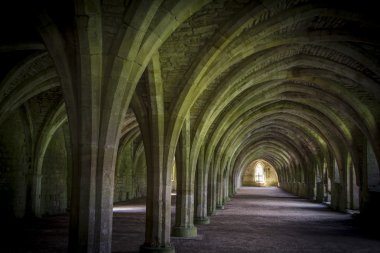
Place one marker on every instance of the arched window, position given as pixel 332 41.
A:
pixel 259 173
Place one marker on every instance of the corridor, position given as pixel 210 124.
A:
pixel 271 220
pixel 257 219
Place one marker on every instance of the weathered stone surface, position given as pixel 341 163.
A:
pixel 15 164
pixel 97 96
pixel 54 190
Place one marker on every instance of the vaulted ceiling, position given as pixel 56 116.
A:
pixel 284 81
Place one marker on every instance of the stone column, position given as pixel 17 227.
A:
pixel 369 185
pixel 201 191
pixel 319 183
pixel 235 184
pixel 79 63
pixel 36 195
pixel 184 222
pixel 219 194
pixel 226 189
pixel 211 201
pixel 159 167
pixel 158 206
pixel 349 181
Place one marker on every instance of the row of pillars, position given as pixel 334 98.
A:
pixel 201 190
pixel 98 86
pixel 199 194
pixel 344 186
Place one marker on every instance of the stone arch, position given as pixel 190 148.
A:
pixel 52 124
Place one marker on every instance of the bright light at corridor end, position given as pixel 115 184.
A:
pixel 259 173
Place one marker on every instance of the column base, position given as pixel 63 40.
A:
pixel 211 213
pixel 184 231
pixel 201 220
pixel 220 207
pixel 148 249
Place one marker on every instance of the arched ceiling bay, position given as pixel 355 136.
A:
pixel 299 77
pixel 290 80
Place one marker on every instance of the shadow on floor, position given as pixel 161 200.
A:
pixel 265 220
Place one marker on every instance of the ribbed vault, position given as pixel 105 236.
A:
pixel 211 86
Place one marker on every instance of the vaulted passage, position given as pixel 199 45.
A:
pixel 257 219
pixel 271 220
pixel 107 101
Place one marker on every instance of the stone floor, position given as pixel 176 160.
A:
pixel 256 220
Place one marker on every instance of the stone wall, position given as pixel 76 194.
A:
pixel 248 176
pixel 130 174
pixel 54 190
pixel 14 167
pixel 271 178
pixel 140 185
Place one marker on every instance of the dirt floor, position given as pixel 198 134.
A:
pixel 256 220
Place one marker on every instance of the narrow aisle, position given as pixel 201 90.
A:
pixel 271 220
